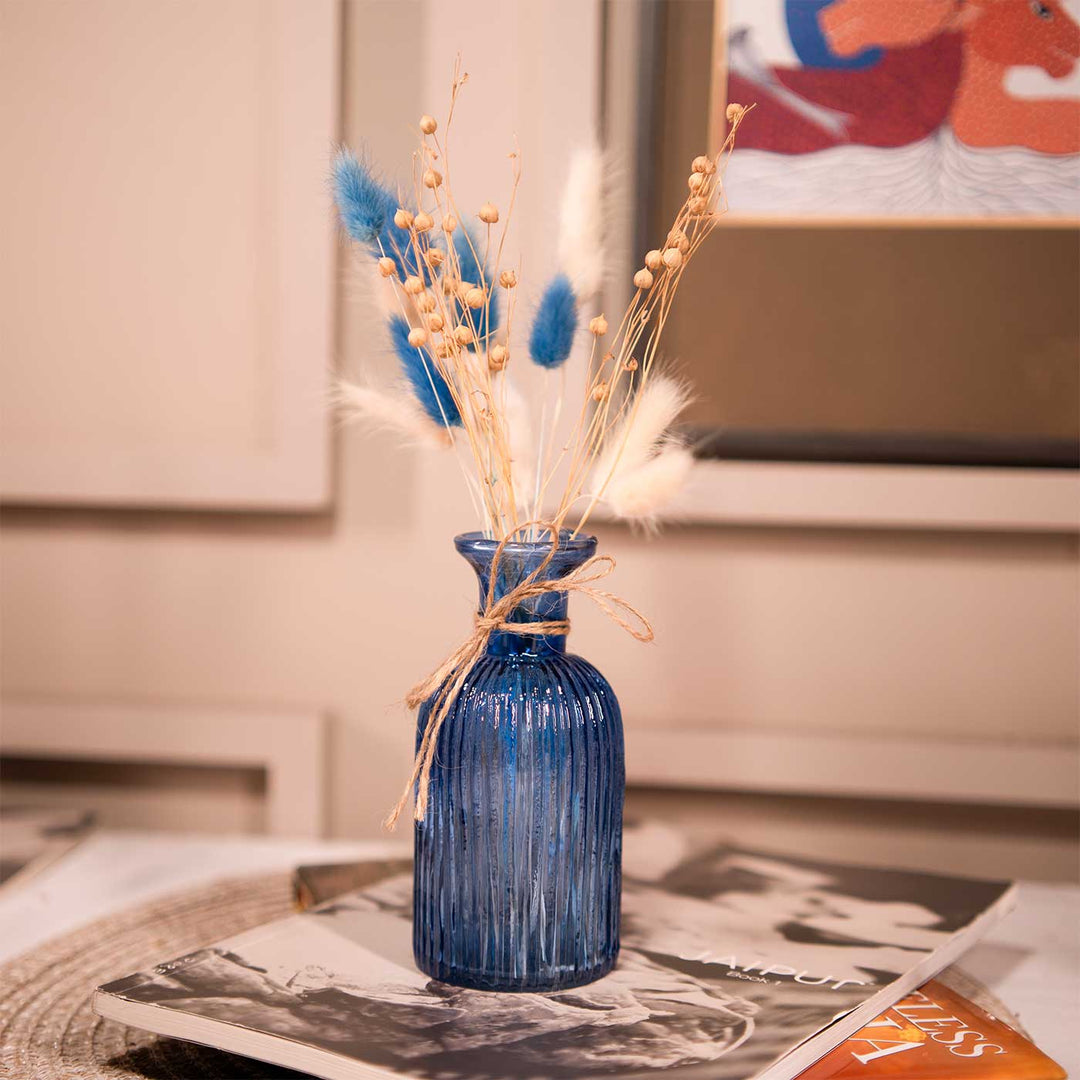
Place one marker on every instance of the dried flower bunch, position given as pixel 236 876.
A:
pixel 453 305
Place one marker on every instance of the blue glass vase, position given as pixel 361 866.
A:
pixel 518 864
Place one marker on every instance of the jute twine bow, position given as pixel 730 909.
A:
pixel 444 684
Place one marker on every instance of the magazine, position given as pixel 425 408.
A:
pixel 735 964
pixel 935 1033
pixel 951 1027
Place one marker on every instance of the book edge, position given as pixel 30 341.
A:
pixel 114 987
pixel 235 1039
pixel 812 1049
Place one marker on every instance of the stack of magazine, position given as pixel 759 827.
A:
pixel 735 965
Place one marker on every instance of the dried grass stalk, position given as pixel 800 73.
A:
pixel 455 308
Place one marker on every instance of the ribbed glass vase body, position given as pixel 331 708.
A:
pixel 518 858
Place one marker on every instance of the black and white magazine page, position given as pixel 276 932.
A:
pixel 735 964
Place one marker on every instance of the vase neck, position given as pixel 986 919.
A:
pixel 518 561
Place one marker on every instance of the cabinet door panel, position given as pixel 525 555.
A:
pixel 166 290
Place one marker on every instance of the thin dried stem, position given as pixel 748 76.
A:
pixel 458 335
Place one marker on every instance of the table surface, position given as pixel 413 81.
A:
pixel 1031 961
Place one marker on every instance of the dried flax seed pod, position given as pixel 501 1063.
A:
pixel 678 239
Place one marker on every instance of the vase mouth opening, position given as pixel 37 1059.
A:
pixel 478 543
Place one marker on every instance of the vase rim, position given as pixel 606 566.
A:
pixel 477 541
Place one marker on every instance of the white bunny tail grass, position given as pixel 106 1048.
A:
pixel 393 412
pixel 520 442
pixel 363 287
pixel 638 436
pixel 642 494
pixel 619 216
pixel 581 223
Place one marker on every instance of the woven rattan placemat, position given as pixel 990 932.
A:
pixel 47 1029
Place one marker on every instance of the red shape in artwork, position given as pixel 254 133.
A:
pixel 901 99
pixel 944 62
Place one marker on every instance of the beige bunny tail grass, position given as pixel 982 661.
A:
pixel 642 495
pixel 644 425
pixel 521 444
pixel 381 410
pixel 581 223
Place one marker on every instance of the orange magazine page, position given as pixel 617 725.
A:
pixel 935 1034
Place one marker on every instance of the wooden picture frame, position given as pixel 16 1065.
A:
pixel 834 141
pixel 1009 490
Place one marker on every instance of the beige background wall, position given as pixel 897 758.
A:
pixel 969 636
pixel 933 635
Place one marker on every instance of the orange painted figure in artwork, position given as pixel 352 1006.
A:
pixel 850 26
pixel 1003 33
pixel 996 35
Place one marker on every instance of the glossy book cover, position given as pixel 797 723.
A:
pixel 735 964
pixel 935 1034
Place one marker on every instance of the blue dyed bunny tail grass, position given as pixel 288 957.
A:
pixel 556 321
pixel 467 247
pixel 362 202
pixel 428 386
pixel 367 209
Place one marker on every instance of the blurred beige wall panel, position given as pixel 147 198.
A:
pixel 983 841
pixel 288 748
pixel 166 291
pixel 831 494
pixel 139 796
pixel 972 771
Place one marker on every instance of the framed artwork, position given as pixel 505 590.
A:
pixel 900 111
pixel 850 375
